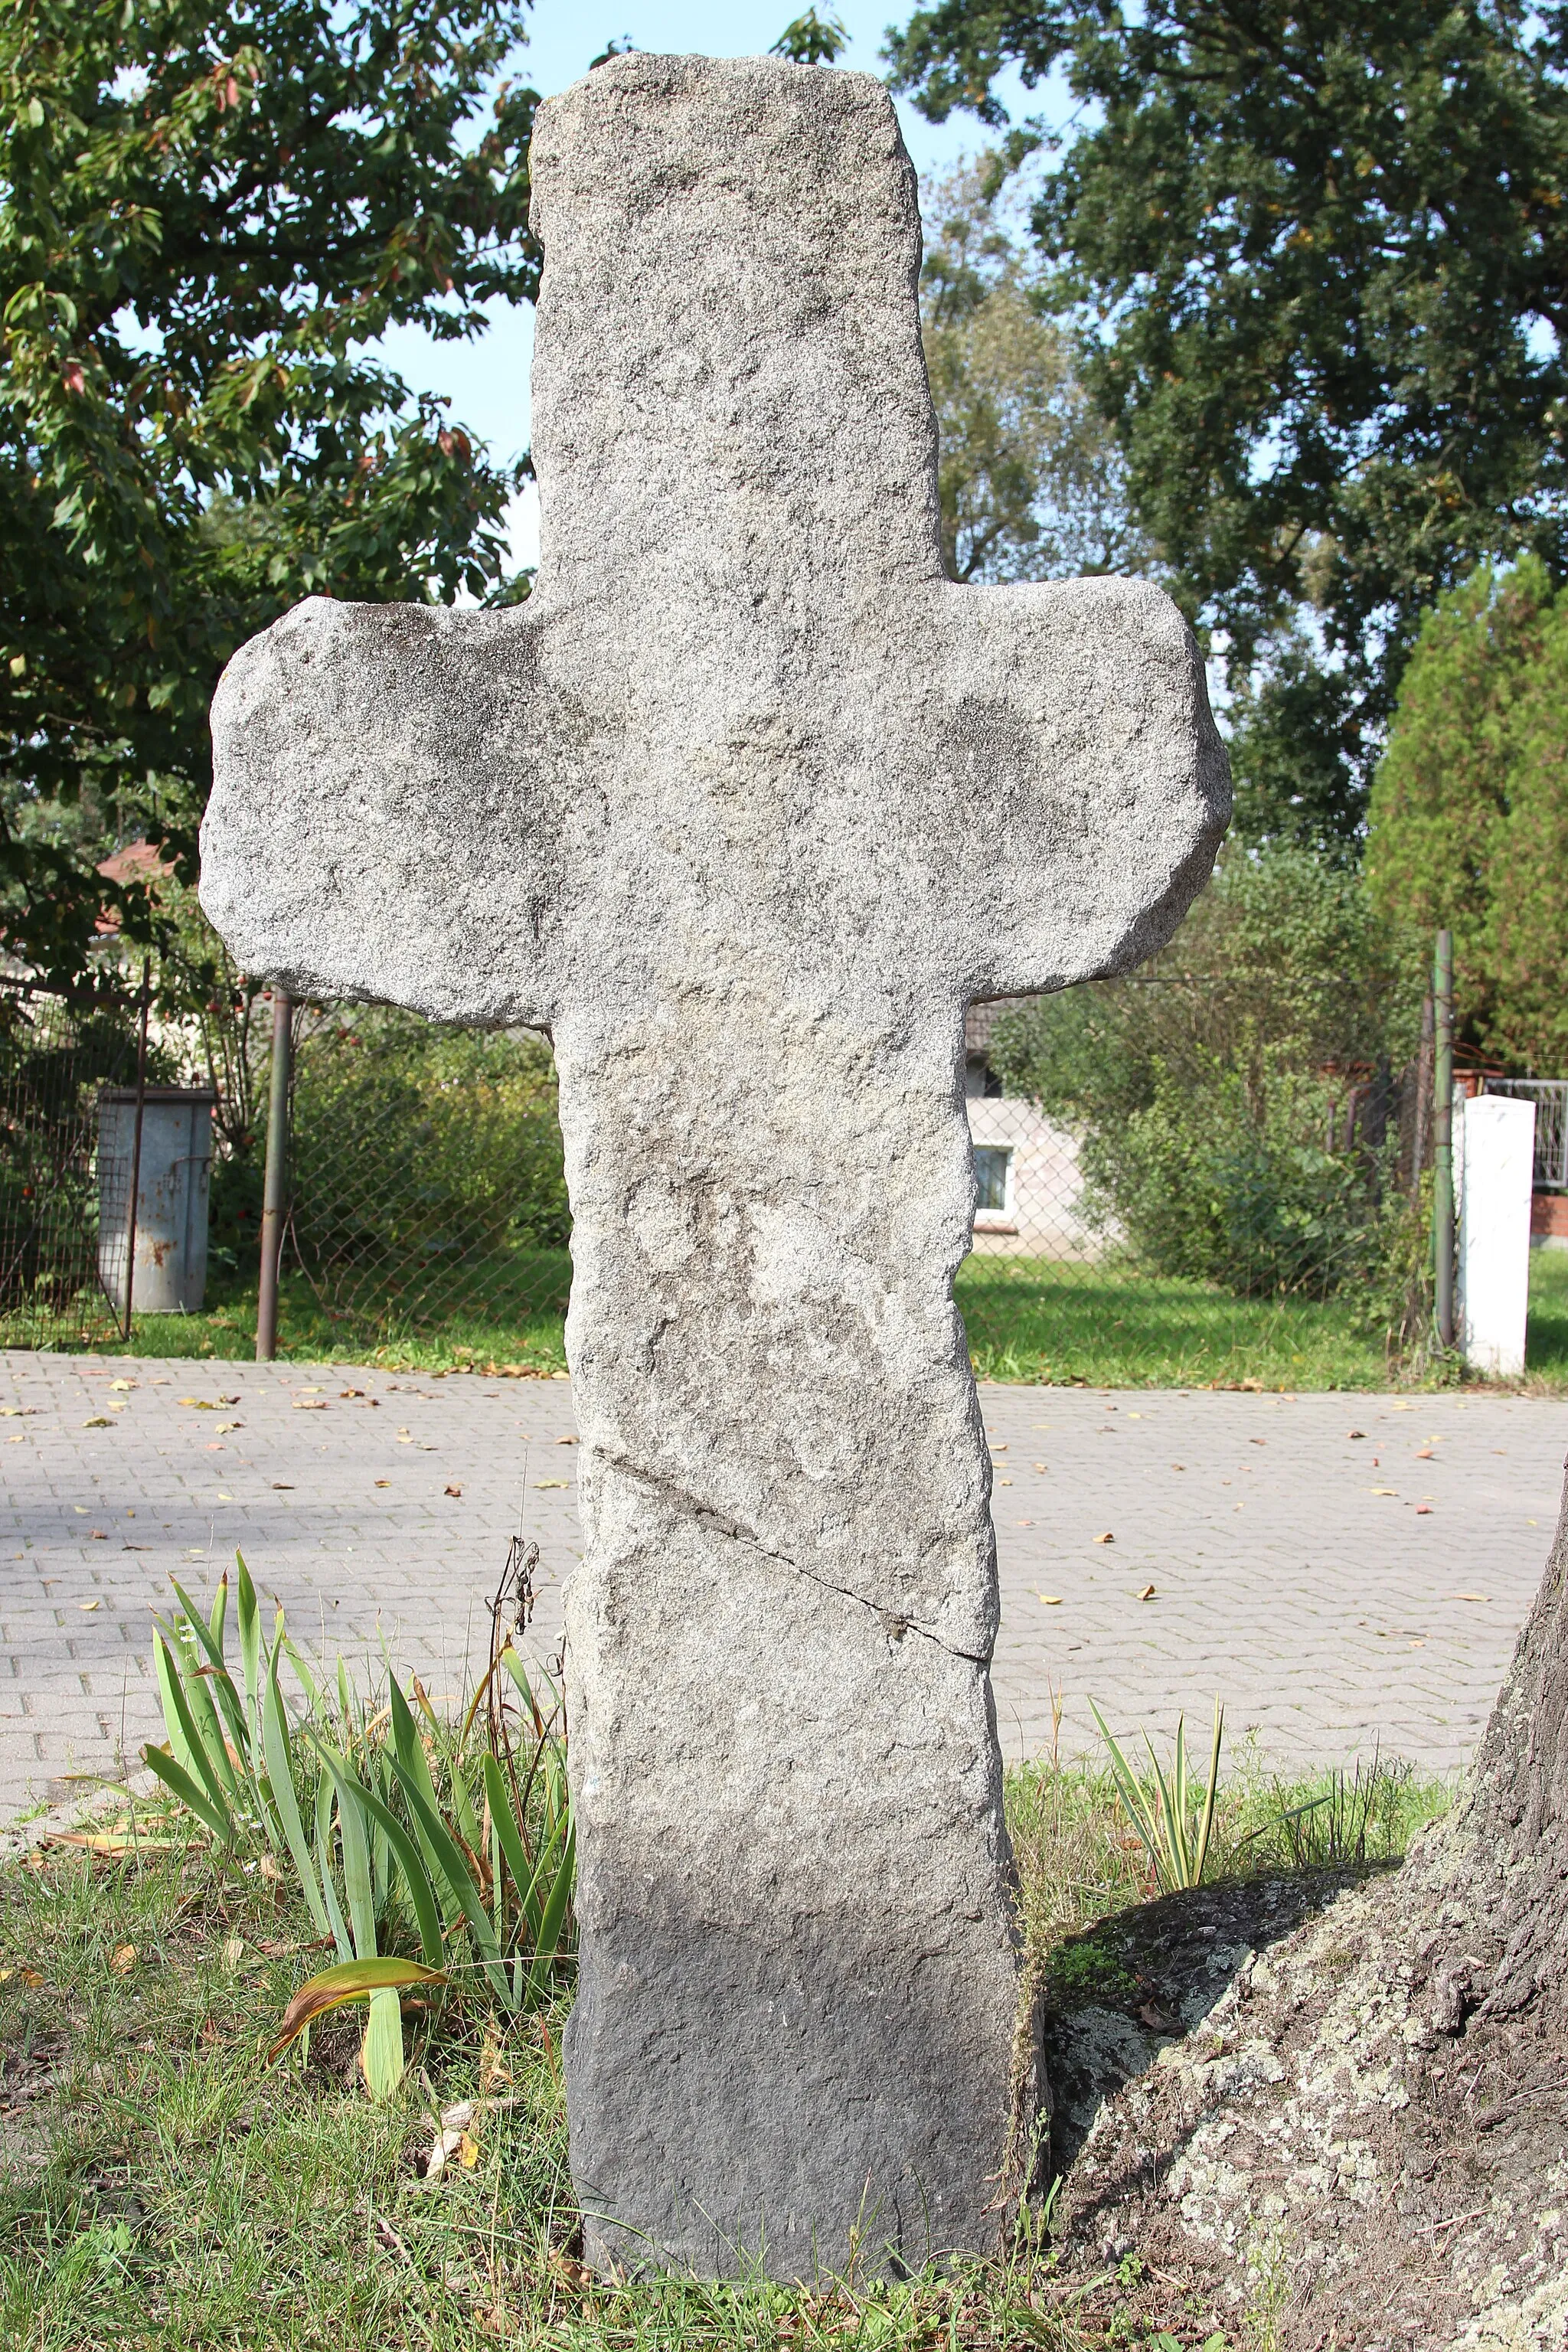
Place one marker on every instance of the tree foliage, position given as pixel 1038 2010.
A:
pixel 1324 251
pixel 813 40
pixel 207 213
pixel 1031 481
pixel 1470 810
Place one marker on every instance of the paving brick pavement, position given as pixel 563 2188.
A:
pixel 1295 1571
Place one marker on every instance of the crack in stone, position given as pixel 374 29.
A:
pixel 706 1516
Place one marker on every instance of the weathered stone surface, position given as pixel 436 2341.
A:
pixel 745 805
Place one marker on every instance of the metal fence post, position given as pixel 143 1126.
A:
pixel 1443 1143
pixel 136 1146
pixel 274 1199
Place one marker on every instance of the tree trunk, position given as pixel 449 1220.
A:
pixel 1363 2141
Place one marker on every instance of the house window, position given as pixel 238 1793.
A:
pixel 993 1176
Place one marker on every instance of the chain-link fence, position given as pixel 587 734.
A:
pixel 423 1208
pixel 425 1187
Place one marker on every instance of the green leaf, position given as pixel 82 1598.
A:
pixel 553 1918
pixel 209 1639
pixel 280 1787
pixel 340 1936
pixel 191 1747
pixel 453 1872
pixel 415 1877
pixel 175 1776
pixel 249 1621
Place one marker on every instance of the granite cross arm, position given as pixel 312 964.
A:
pixel 745 805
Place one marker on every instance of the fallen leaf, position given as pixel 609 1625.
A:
pixel 348 1980
pixel 97 1535
pixel 1469 1596
pixel 1146 1594
pixel 229 1399
pixel 456 1491
pixel 1039 1466
pixel 1050 1600
pixel 384 1482
pixel 226 1428
pixel 231 1950
pixel 309 1404
pixel 467 2151
pixel 98 1421
pixel 1425 1454
pixel 268 1868
pixel 124 1960
pixel 1355 1433
pixel 1003 1482
pixel 121 1384
pixel 32 1976
pixel 223 1497
pixel 350 1393
pixel 282 1486
pixel 1178 1465
pixel 89 1604
pixel 553 1481
pixel 1105 1538
pixel 1422 1511
pixel 1382 1490
pixel 405 1437
pixel 1157 2018
pixel 493 2067
pixel 568 1441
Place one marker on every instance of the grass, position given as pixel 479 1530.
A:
pixel 160 2190
pixel 1041 1322
pixel 1028 1320
pixel 529 1337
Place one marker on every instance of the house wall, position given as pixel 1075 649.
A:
pixel 1041 1218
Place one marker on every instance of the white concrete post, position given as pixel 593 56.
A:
pixel 1495 1162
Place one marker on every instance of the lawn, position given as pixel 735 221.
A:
pixel 1546 1330
pixel 1027 1320
pixel 162 2187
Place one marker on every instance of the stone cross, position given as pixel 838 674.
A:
pixel 744 805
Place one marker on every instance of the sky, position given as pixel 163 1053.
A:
pixel 487 382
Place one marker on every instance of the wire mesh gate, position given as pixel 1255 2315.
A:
pixel 1550 1096
pixel 67 1207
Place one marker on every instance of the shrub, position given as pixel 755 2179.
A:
pixel 1233 1097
